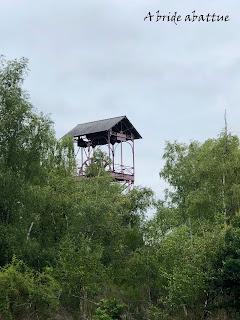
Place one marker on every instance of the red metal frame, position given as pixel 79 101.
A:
pixel 120 172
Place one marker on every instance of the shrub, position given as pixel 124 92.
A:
pixel 24 292
pixel 109 309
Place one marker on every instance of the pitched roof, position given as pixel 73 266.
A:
pixel 102 125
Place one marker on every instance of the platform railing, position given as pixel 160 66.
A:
pixel 118 168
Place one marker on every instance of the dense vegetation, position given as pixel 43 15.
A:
pixel 83 249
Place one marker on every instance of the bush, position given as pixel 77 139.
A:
pixel 23 292
pixel 109 309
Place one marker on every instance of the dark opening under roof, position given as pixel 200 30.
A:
pixel 117 124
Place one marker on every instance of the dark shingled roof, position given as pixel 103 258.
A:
pixel 103 125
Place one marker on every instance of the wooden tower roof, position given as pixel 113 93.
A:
pixel 117 124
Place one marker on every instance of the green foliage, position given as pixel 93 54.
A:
pixel 196 250
pixel 226 279
pixel 205 177
pixel 86 246
pixel 25 137
pixel 83 232
pixel 24 292
pixel 80 271
pixel 109 310
pixel 27 142
pixel 99 162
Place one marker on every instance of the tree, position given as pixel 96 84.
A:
pixel 99 162
pixel 193 232
pixel 204 178
pixel 27 293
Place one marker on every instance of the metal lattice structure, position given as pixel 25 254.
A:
pixel 112 133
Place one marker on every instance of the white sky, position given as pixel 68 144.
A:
pixel 97 59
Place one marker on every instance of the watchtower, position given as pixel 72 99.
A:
pixel 109 135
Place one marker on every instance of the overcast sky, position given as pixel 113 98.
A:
pixel 97 59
